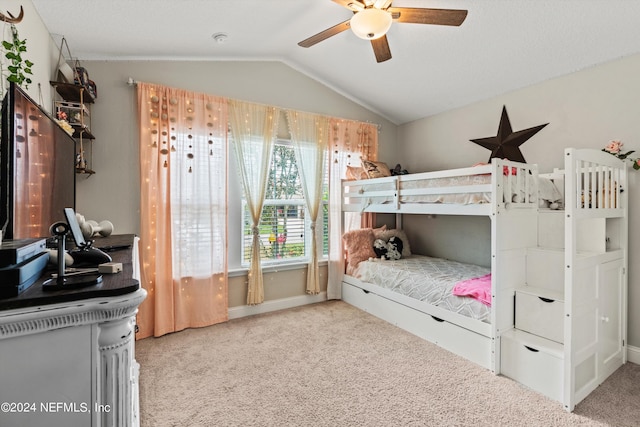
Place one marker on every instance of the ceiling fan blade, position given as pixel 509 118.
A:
pixel 323 35
pixel 381 49
pixel 382 4
pixel 454 17
pixel 354 5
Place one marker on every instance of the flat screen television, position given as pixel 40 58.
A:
pixel 37 168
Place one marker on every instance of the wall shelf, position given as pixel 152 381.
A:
pixel 75 103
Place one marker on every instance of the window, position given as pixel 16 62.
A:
pixel 284 225
pixel 198 206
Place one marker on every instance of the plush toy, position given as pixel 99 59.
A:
pixel 388 250
pixel 398 170
pixel 380 248
pixel 394 248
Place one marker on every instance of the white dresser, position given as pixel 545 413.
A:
pixel 67 357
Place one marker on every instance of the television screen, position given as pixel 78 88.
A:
pixel 38 168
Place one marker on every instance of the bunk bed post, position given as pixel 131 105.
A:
pixel 575 185
pixel 496 200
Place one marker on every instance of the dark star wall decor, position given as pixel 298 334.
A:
pixel 506 144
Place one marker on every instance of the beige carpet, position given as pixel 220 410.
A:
pixel 330 364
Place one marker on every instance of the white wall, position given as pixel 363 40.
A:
pixel 585 109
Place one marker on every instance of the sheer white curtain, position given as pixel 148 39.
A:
pixel 310 135
pixel 253 129
pixel 351 142
pixel 183 209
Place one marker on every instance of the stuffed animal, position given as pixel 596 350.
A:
pixel 390 250
pixel 394 248
pixel 380 248
pixel 398 170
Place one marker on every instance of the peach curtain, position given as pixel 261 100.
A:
pixel 183 213
pixel 351 142
pixel 310 135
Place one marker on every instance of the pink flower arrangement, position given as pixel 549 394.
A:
pixel 615 149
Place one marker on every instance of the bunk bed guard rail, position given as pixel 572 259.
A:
pixel 600 181
pixel 478 189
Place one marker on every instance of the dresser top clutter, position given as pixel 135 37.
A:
pixel 115 284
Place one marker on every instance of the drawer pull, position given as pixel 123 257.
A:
pixel 531 349
pixel 365 291
pixel 546 299
pixel 437 319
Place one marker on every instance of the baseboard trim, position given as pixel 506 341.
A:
pixel 633 354
pixel 274 305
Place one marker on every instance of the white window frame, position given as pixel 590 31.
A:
pixel 320 226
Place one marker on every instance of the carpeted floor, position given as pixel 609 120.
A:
pixel 330 364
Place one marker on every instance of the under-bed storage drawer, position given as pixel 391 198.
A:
pixel 540 313
pixel 454 338
pixel 533 361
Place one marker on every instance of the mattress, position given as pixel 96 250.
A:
pixel 427 279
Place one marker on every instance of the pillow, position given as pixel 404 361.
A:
pixel 382 228
pixel 387 234
pixel 375 169
pixel 359 246
pixel 355 173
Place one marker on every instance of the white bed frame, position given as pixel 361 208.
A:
pixel 518 236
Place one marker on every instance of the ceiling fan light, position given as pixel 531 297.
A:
pixel 371 24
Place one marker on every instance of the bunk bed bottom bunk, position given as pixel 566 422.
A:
pixel 459 334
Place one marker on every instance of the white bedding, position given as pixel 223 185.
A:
pixel 427 279
pixel 546 190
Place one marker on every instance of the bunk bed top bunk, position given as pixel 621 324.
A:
pixel 486 188
pixel 476 190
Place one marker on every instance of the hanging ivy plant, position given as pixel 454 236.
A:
pixel 19 67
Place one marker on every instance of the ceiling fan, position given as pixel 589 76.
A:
pixel 372 19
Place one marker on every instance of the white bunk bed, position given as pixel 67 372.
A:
pixel 525 244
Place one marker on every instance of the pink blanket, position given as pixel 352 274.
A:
pixel 478 288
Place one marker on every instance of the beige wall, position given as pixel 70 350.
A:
pixel 40 50
pixel 277 285
pixel 585 109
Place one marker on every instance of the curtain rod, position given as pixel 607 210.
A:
pixel 132 82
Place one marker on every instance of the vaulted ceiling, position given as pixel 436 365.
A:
pixel 502 45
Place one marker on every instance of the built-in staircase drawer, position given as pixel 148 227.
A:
pixel 540 313
pixel 534 362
